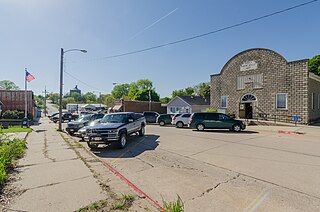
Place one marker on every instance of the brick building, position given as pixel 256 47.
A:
pixel 261 83
pixel 15 100
pixel 137 106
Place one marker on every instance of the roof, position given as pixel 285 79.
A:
pixel 196 100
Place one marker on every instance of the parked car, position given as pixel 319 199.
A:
pixel 83 121
pixel 202 121
pixel 181 120
pixel 151 116
pixel 54 114
pixel 82 131
pixel 164 119
pixel 115 127
pixel 65 117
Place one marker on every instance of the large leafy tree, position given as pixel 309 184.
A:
pixel 143 95
pixel 189 91
pixel 165 100
pixel 144 84
pixel 202 89
pixel 314 65
pixel 120 91
pixel 108 99
pixel 54 97
pixel 8 85
pixel 133 90
pixel 89 97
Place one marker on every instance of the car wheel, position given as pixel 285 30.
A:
pixel 179 124
pixel 161 123
pixel 55 121
pixel 200 127
pixel 92 146
pixel 122 141
pixel 236 128
pixel 142 131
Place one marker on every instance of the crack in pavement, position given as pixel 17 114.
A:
pixel 57 183
pixel 39 164
pixel 218 184
pixel 45 149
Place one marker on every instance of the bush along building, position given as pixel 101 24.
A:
pixel 260 83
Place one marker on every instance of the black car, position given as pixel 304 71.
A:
pixel 164 119
pixel 151 116
pixel 83 121
pixel 65 117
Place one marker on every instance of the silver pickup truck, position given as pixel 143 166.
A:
pixel 115 127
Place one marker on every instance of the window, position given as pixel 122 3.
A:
pixel 186 115
pixel 312 101
pixel 282 99
pixel 224 102
pixel 172 110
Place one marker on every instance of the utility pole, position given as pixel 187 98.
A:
pixel 61 90
pixel 149 100
pixel 45 101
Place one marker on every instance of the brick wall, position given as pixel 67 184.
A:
pixel 15 100
pixel 279 76
pixel 141 106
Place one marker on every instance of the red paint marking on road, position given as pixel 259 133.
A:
pixel 290 133
pixel 132 185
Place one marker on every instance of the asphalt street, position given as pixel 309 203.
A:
pixel 219 170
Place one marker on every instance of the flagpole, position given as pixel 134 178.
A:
pixel 25 95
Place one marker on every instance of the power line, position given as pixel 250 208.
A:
pixel 209 33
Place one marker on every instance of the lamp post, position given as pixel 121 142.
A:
pixel 61 81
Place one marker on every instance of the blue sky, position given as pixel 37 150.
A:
pixel 33 31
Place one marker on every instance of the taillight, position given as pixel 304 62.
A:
pixel 174 118
pixel 190 121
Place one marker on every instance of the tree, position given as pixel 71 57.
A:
pixel 8 85
pixel 77 97
pixel 89 97
pixel 189 91
pixel 133 90
pixel 66 101
pixel 119 91
pixel 202 89
pixel 108 99
pixel 144 84
pixel 314 65
pixel 165 100
pixel 143 95
pixel 54 97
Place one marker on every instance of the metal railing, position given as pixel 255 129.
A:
pixel 260 115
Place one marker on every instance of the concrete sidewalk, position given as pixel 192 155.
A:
pixel 52 176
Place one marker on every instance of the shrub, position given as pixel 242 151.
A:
pixel 9 151
pixel 15 114
pixel 211 110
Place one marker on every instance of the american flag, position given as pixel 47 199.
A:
pixel 29 77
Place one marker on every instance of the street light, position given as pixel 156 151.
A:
pixel 61 81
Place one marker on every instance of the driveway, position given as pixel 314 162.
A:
pixel 224 171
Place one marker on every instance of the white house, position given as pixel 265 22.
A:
pixel 188 104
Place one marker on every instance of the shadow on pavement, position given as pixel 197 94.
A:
pixel 227 131
pixel 135 146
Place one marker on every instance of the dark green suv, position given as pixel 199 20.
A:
pixel 201 121
pixel 164 119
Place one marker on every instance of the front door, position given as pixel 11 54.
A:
pixel 248 110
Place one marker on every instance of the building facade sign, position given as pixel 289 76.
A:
pixel 248 65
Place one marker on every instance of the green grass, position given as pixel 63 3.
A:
pixel 94 206
pixel 176 206
pixel 9 152
pixel 15 129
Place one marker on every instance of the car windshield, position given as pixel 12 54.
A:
pixel 115 118
pixel 84 118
